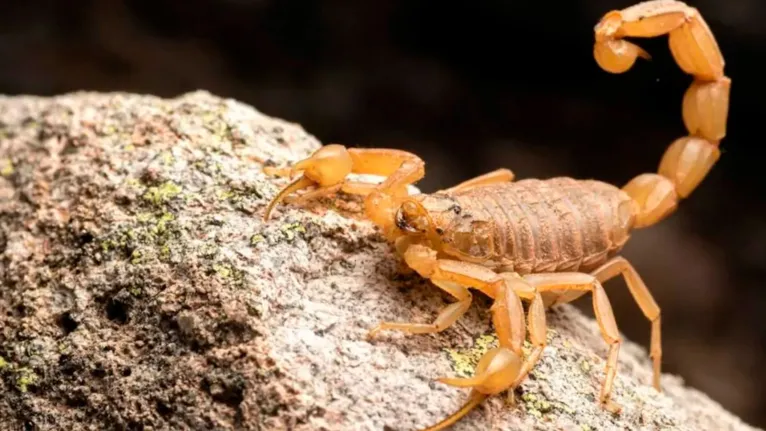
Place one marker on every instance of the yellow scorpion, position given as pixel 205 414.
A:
pixel 543 241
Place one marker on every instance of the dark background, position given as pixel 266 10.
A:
pixel 471 87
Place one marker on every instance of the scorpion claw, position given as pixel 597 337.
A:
pixel 297 184
pixel 495 373
pixel 474 400
pixel 326 169
pixel 463 382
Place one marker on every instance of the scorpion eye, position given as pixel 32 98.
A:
pixel 410 218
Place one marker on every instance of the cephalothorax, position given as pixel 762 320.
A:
pixel 544 241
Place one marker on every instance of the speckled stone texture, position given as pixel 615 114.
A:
pixel 141 291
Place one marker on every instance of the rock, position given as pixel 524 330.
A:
pixel 141 290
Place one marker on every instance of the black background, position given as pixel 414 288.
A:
pixel 471 87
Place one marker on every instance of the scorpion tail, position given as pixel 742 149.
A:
pixel 474 400
pixel 705 107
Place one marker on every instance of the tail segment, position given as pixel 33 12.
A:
pixel 705 105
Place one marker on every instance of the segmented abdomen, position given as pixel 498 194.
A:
pixel 552 225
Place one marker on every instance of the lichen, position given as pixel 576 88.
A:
pixel 136 257
pixel 159 195
pixel 6 167
pixel 536 404
pixel 464 361
pixel 167 158
pixel 149 235
pixel 208 251
pixel 290 230
pixel 22 376
pixel 229 274
pixel 225 194
pixel 106 130
pixel 165 252
pixel 222 270
pixel 133 183
pixel 208 167
pixel 161 226
pixel 25 377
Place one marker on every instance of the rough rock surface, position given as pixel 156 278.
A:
pixel 140 290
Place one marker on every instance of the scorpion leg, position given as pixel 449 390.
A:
pixel 496 176
pixel 576 281
pixel 329 166
pixel 643 297
pixel 446 318
pixel 537 326
pixel 508 319
pixel 454 277
pixel 502 367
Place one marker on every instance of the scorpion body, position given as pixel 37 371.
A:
pixel 542 241
pixel 534 226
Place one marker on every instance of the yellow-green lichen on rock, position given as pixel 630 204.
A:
pixel 290 230
pixel 6 167
pixel 25 377
pixel 22 376
pixel 464 361
pixel 158 195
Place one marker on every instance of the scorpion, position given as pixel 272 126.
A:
pixel 543 241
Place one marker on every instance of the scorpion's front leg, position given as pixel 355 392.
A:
pixel 454 277
pixel 446 318
pixel 508 319
pixel 329 166
pixel 501 368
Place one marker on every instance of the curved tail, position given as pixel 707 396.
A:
pixel 705 105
